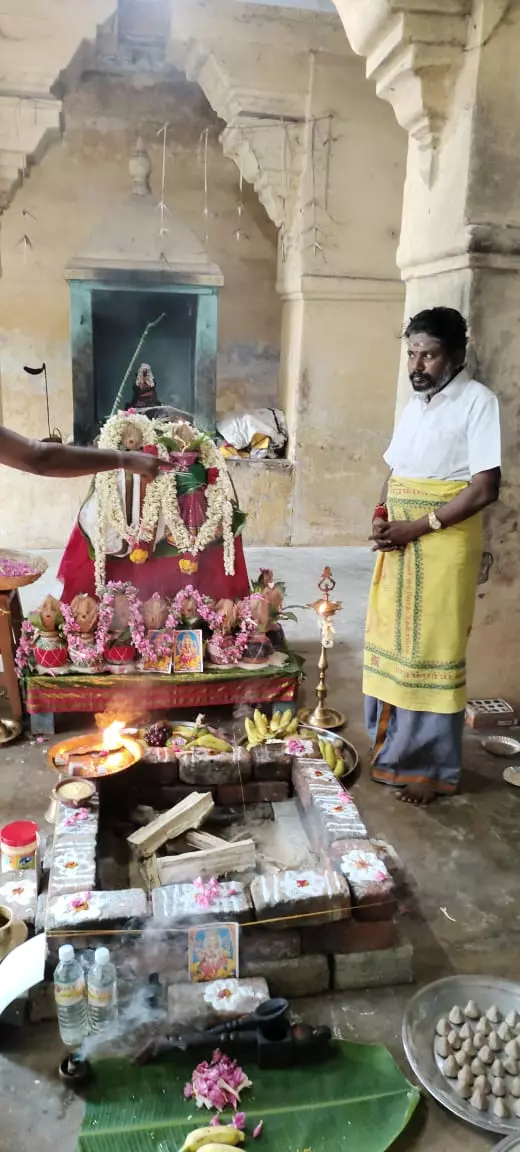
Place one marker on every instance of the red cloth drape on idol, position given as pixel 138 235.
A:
pixel 161 574
pixel 196 494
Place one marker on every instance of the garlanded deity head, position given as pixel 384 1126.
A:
pixel 131 436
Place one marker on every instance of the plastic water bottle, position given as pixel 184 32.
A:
pixel 102 991
pixel 71 998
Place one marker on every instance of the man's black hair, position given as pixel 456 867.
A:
pixel 444 324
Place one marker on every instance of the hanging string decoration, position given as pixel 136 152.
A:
pixel 163 207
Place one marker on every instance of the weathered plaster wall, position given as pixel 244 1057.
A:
pixel 67 195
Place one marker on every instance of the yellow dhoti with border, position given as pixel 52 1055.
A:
pixel 421 605
pixel 419 618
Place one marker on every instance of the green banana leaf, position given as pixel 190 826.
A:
pixel 358 1101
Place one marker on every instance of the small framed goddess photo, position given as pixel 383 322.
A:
pixel 188 652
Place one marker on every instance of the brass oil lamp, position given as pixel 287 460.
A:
pixel 325 609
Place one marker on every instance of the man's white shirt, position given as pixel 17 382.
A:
pixel 452 437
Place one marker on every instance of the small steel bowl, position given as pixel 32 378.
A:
pixel 505 746
pixel 511 775
pixel 88 788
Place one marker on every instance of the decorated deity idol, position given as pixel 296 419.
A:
pixel 181 528
pixel 144 392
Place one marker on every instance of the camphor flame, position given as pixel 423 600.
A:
pixel 112 736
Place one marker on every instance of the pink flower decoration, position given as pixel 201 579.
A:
pixel 295 747
pixel 80 903
pixel 76 817
pixel 239 1121
pixel 258 1130
pixel 215 1122
pixel 206 893
pixel 188 1091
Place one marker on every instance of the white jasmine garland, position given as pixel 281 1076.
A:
pixel 161 496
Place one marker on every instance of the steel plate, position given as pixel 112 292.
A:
pixel 501 745
pixel 420 1019
pixel 350 753
pixel 512 1144
pixel 511 775
pixel 13 729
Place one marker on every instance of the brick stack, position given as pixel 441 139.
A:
pixel 341 840
pixel 234 779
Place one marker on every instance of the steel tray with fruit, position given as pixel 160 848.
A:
pixel 285 734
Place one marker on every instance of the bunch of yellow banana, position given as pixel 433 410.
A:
pixel 212 1139
pixel 188 731
pixel 331 754
pixel 260 730
pixel 212 743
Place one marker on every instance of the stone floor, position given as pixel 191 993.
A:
pixel 461 857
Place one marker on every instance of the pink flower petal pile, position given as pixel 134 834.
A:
pixel 16 568
pixel 218 1085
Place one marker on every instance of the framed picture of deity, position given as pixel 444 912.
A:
pixel 188 652
pixel 213 953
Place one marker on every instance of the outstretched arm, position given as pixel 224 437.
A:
pixel 48 459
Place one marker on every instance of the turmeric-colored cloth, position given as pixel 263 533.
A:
pixel 421 605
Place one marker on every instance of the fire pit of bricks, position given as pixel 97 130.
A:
pixel 156 854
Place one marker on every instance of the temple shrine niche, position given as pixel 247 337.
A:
pixel 137 266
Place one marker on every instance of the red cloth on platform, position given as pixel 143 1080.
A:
pixel 160 574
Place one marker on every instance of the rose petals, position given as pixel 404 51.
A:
pixel 239 1121
pixel 258 1130
pixel 218 1085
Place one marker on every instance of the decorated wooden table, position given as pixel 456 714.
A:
pixel 48 696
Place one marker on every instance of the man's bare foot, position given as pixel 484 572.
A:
pixel 417 794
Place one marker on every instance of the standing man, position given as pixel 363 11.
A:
pixel 445 469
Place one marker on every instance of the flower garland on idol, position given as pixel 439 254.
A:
pixel 106 611
pixel 24 658
pixel 80 649
pixel 161 497
pixel 230 649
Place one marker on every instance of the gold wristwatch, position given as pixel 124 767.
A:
pixel 434 522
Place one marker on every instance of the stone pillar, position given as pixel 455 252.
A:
pixel 342 306
pixel 460 239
